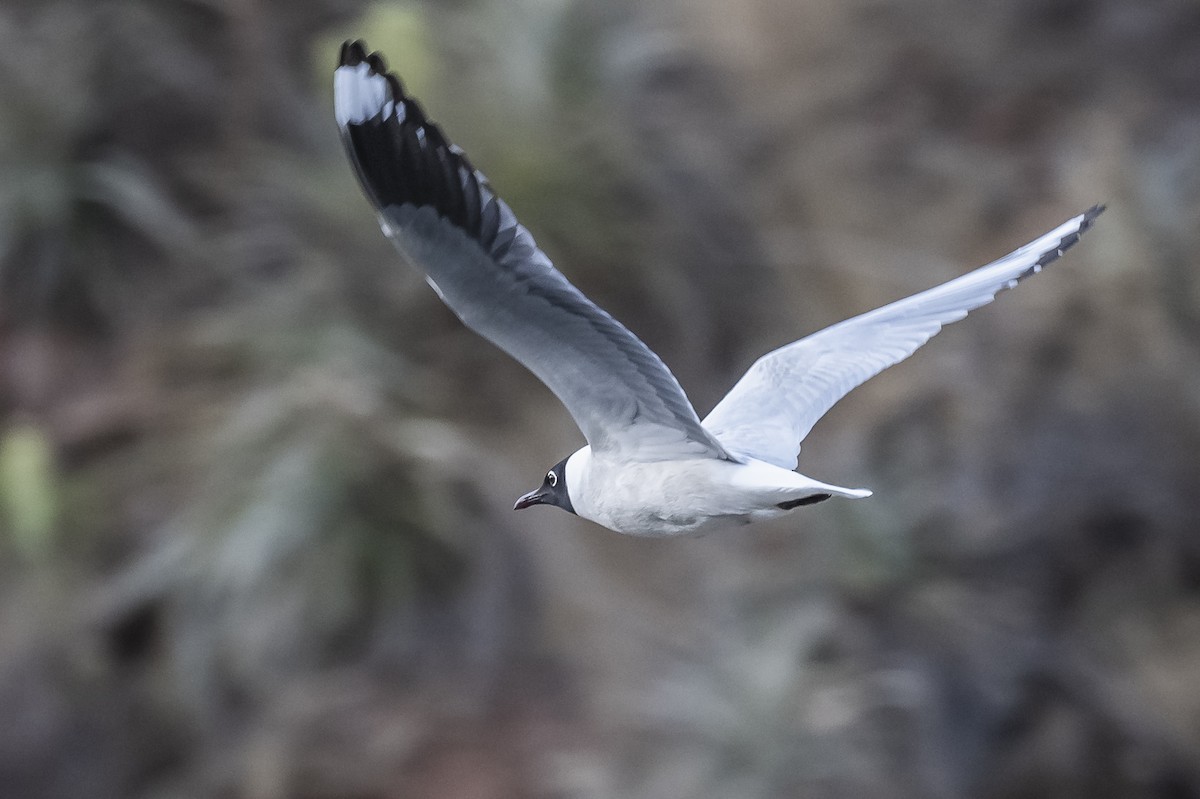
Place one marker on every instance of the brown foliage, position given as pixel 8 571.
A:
pixel 254 538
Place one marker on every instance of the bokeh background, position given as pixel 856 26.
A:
pixel 255 481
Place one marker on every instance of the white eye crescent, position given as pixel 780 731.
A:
pixel 552 479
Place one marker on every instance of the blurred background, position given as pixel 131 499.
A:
pixel 255 481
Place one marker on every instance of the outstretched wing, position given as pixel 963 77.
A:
pixel 444 217
pixel 777 402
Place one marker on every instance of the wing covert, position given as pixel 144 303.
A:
pixel 772 408
pixel 443 216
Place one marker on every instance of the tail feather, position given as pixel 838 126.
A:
pixel 813 487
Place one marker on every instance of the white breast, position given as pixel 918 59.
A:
pixel 658 498
pixel 663 498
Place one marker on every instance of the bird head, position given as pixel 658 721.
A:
pixel 553 491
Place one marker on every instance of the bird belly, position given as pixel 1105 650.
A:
pixel 684 497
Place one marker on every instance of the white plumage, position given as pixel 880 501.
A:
pixel 651 467
pixel 777 402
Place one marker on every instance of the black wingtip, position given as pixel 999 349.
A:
pixel 403 157
pixel 1089 216
pixel 1068 241
pixel 354 52
pixel 377 63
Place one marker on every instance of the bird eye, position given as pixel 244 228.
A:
pixel 552 479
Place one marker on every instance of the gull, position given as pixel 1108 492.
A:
pixel 651 466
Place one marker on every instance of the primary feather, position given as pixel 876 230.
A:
pixel 442 214
pixel 651 467
pixel 776 403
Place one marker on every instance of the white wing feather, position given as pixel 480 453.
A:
pixel 444 217
pixel 773 407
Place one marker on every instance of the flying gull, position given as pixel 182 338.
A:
pixel 651 466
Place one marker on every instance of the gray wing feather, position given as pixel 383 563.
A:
pixel 773 407
pixel 444 217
